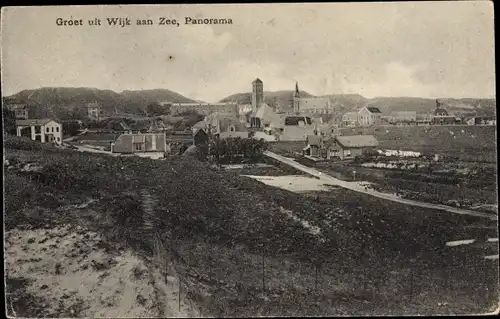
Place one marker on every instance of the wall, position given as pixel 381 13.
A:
pixel 54 129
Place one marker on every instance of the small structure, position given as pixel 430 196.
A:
pixel 150 144
pixel 43 130
pixel 314 145
pixel 369 115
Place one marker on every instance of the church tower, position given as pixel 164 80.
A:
pixel 296 99
pixel 257 94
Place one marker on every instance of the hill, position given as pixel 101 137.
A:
pixel 69 103
pixel 353 102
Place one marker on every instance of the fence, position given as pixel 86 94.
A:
pixel 271 279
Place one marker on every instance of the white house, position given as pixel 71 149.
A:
pixel 369 115
pixel 43 130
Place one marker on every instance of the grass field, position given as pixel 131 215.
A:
pixel 475 143
pixel 239 253
pixel 469 143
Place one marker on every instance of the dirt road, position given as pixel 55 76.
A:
pixel 358 187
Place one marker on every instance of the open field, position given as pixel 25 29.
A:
pixel 468 143
pixel 218 229
pixel 475 143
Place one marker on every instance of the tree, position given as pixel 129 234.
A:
pixel 70 128
pixel 155 109
pixel 9 121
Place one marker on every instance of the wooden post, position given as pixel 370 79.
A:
pixel 263 272
pixel 179 296
pixel 316 281
pixel 411 284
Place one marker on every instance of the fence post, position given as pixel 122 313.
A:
pixel 411 284
pixel 263 272
pixel 179 296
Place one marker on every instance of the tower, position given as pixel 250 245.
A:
pixel 296 99
pixel 257 94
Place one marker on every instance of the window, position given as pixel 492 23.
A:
pixel 52 129
pixel 347 152
pixel 57 129
pixel 138 146
pixel 47 129
pixel 58 139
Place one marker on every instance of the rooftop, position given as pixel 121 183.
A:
pixel 357 141
pixel 33 122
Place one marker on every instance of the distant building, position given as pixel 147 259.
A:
pixel 149 144
pixel 257 94
pixel 369 115
pixel 403 117
pixel 347 147
pixel 441 116
pixel 314 145
pixel 482 120
pixel 229 109
pixel 297 128
pixel 19 111
pixel 225 127
pixel 311 105
pixel 94 111
pixel 43 130
pixel 263 117
pixel 350 119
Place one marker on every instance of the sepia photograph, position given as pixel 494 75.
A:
pixel 250 160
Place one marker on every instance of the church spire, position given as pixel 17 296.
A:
pixel 297 94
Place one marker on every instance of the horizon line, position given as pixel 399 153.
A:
pixel 249 92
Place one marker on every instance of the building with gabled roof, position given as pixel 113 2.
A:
pixel 369 115
pixel 43 130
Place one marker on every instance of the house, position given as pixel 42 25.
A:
pixel 350 119
pixel 369 115
pixel 297 128
pixel 200 133
pixel 19 111
pixel 149 144
pixel 482 120
pixel 347 147
pixel 43 130
pixel 441 116
pixel 94 111
pixel 222 126
pixel 263 116
pixel 314 144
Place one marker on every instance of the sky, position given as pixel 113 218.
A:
pixel 420 49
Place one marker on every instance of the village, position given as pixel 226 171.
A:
pixel 314 122
pixel 301 160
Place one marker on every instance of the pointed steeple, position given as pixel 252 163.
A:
pixel 297 94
